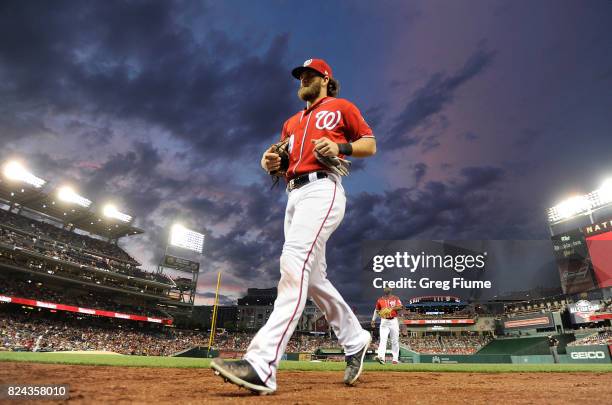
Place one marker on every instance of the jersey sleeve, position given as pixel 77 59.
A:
pixel 356 126
pixel 284 133
pixel 378 306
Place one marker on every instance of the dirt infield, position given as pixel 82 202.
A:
pixel 102 384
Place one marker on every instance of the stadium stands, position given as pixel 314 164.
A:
pixel 38 291
pixel 33 331
pixel 66 254
pixel 301 343
pixel 602 337
pixel 18 260
pixel 41 330
pixel 75 241
pixel 446 344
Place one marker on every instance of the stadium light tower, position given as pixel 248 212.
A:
pixel 110 211
pixel 603 195
pixel 67 194
pixel 570 208
pixel 183 238
pixel 186 239
pixel 13 170
pixel 580 205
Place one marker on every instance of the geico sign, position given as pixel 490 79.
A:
pixel 587 355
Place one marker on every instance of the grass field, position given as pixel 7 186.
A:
pixel 185 362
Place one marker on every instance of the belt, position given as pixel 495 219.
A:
pixel 304 179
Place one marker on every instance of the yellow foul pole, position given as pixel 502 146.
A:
pixel 213 323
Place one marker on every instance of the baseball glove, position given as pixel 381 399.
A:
pixel 335 164
pixel 385 312
pixel 282 150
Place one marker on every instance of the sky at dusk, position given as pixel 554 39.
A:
pixel 485 112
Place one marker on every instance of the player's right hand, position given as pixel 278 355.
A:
pixel 270 161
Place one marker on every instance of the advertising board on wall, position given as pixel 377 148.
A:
pixel 531 321
pixel 581 311
pixel 588 354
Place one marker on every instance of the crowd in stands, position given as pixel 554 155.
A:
pixel 43 229
pixel 66 332
pixel 602 337
pixel 26 332
pixel 38 291
pixel 606 305
pixel 446 344
pixel 299 343
pixel 41 265
pixel 60 252
pixel 53 232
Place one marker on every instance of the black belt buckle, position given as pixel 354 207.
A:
pixel 302 180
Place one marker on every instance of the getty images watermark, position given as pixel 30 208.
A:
pixel 445 265
pixel 468 269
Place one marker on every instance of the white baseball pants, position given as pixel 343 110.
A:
pixel 313 213
pixel 389 327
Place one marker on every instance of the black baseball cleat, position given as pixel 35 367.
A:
pixel 354 364
pixel 379 359
pixel 240 373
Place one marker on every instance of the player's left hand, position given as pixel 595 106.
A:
pixel 326 147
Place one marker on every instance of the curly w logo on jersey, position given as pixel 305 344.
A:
pixel 327 119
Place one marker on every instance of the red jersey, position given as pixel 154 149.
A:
pixel 334 118
pixel 390 301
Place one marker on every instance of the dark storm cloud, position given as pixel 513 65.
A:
pixel 420 169
pixel 478 177
pixel 374 116
pixel 135 61
pixel 215 210
pixel 252 257
pixel 430 143
pixel 358 165
pixel 430 99
pixel 435 210
pixel 138 166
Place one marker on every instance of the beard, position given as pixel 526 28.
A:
pixel 311 92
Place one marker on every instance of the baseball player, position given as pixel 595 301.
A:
pixel 330 127
pixel 387 307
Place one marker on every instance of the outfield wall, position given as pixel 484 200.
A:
pixel 588 354
pixel 526 350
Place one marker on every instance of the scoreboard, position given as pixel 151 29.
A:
pixel 584 257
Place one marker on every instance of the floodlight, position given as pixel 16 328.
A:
pixel 602 195
pixel 570 207
pixel 67 194
pixel 186 239
pixel 111 211
pixel 582 204
pixel 14 170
